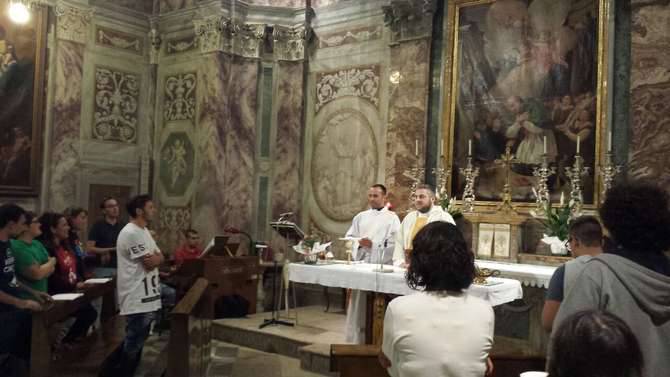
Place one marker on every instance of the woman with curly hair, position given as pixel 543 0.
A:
pixel 68 276
pixel 441 330
pixel 632 277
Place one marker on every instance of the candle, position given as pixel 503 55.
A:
pixel 416 147
pixel 545 145
pixel 562 199
pixel 609 141
pixel 470 147
pixel 577 144
pixel 442 147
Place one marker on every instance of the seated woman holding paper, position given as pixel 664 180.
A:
pixel 33 264
pixel 68 276
pixel 441 330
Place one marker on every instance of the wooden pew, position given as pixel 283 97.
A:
pixel 189 347
pixel 361 360
pixel 40 357
pixel 227 276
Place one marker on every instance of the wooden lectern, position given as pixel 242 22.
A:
pixel 226 276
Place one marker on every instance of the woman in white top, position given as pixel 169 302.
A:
pixel 441 330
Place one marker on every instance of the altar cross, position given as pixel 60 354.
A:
pixel 506 161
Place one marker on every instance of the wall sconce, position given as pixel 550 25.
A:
pixel 395 77
pixel 18 12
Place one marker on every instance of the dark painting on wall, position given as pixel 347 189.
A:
pixel 527 75
pixel 22 54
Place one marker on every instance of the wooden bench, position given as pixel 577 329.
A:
pixel 40 357
pixel 361 360
pixel 189 347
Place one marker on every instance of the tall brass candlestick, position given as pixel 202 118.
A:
pixel 470 172
pixel 417 176
pixel 506 161
pixel 608 172
pixel 542 190
pixel 441 177
pixel 574 174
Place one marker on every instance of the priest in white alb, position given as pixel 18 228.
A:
pixel 375 231
pixel 426 212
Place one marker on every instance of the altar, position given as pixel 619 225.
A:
pixel 362 277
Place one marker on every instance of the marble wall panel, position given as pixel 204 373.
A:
pixel 286 174
pixel 209 210
pixel 173 5
pixel 145 6
pixel 278 3
pixel 65 154
pixel 240 143
pixel 649 154
pixel 408 109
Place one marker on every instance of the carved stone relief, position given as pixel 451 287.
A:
pixel 120 40
pixel 345 37
pixel 181 45
pixel 72 23
pixel 180 97
pixel 217 33
pixel 360 82
pixel 177 160
pixel 289 43
pixel 344 164
pixel 116 99
pixel 173 220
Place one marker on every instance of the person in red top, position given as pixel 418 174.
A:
pixel 68 275
pixel 190 249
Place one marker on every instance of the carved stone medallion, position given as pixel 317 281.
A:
pixel 344 164
pixel 177 158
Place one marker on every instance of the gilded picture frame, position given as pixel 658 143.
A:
pixel 530 75
pixel 22 77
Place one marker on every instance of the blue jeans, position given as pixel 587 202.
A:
pixel 126 358
pixel 15 333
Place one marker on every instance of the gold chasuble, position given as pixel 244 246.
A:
pixel 420 222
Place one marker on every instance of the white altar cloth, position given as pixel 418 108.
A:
pixel 528 274
pixel 362 277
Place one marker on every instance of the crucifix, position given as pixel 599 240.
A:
pixel 506 162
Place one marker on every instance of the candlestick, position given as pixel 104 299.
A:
pixel 544 150
pixel 506 161
pixel 575 174
pixel 578 144
pixel 416 147
pixel 470 172
pixel 542 189
pixel 609 141
pixel 608 172
pixel 470 147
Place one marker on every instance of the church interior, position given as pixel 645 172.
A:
pixel 308 169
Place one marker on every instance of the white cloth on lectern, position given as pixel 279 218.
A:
pixel 380 227
pixel 403 237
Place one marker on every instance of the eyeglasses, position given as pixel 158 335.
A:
pixel 567 244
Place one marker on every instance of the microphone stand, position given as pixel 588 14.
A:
pixel 275 311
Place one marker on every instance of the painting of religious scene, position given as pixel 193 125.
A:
pixel 21 76
pixel 525 78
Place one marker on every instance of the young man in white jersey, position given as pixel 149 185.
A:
pixel 138 286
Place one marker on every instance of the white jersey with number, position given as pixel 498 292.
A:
pixel 139 290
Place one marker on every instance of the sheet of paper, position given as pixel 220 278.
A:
pixel 97 281
pixel 66 296
pixel 501 243
pixel 485 241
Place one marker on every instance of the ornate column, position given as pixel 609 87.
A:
pixel 410 25
pixel 73 24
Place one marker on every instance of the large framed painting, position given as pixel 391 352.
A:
pixel 522 74
pixel 22 57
